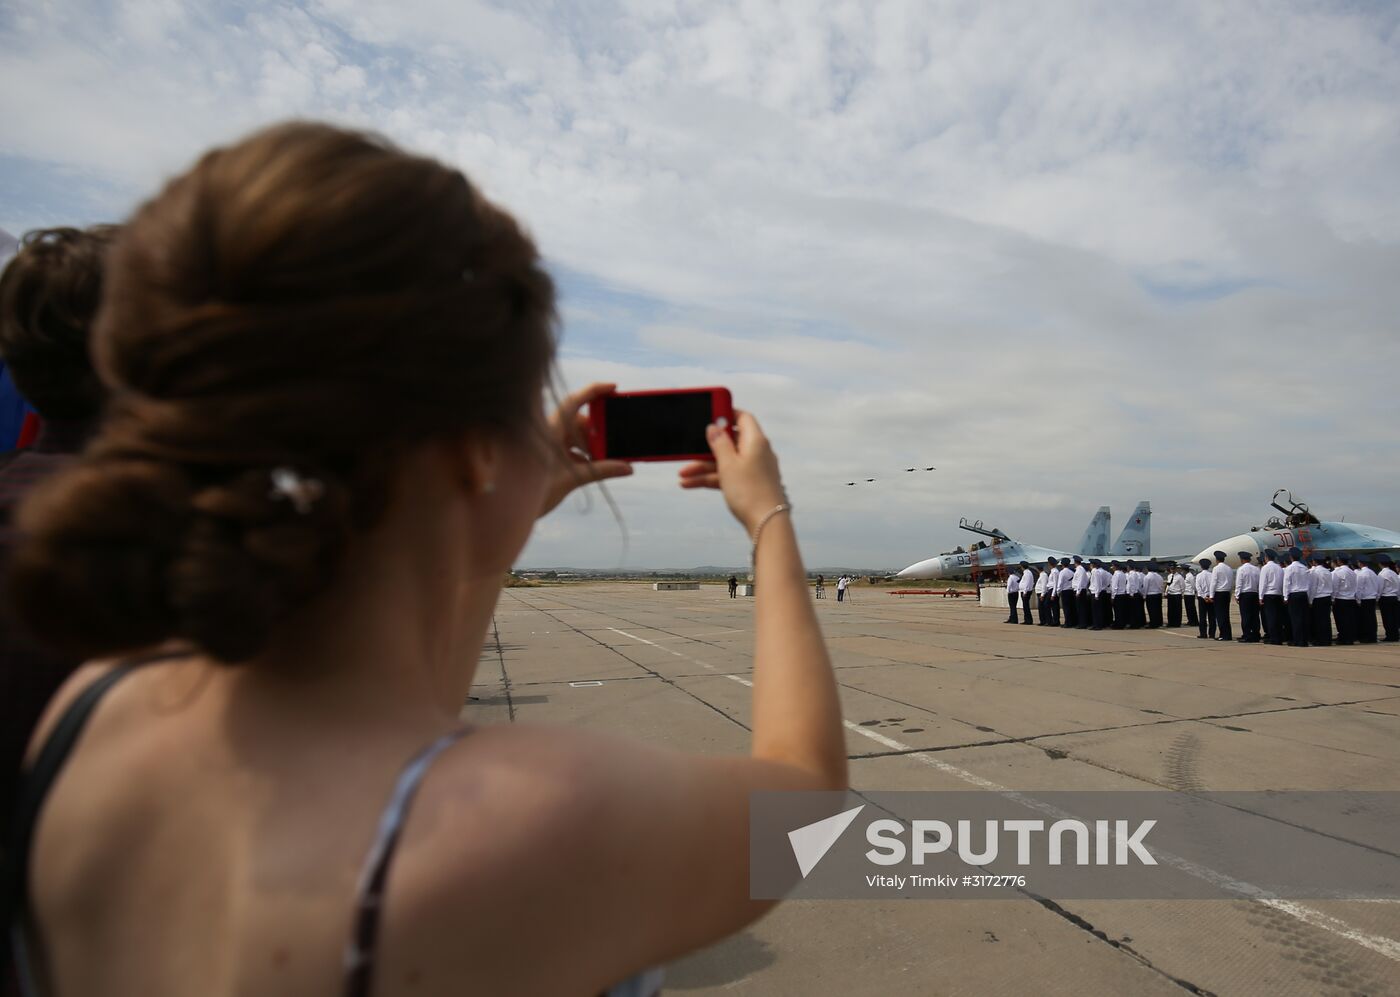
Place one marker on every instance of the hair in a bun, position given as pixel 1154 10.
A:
pixel 310 301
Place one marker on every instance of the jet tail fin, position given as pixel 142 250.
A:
pixel 1136 538
pixel 1095 539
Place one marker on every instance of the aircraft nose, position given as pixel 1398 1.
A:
pixel 1232 547
pixel 932 568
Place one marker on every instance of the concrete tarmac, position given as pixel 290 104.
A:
pixel 941 694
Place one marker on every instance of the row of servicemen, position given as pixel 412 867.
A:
pixel 1297 604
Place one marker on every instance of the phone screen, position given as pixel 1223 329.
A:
pixel 658 425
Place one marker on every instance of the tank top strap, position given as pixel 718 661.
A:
pixel 369 896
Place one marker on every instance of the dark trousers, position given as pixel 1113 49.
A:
pixel 1344 612
pixel 1054 618
pixel 1366 621
pixel 1101 610
pixel 1389 606
pixel 1042 610
pixel 1222 616
pixel 1173 611
pixel 1137 616
pixel 1120 612
pixel 1154 611
pixel 1300 616
pixel 1205 616
pixel 1069 608
pixel 1085 604
pixel 1249 617
pixel 1013 599
pixel 1026 607
pixel 1321 622
pixel 1273 618
pixel 1188 603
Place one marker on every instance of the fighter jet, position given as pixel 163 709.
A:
pixel 1298 527
pixel 999 549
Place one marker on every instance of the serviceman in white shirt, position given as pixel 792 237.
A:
pixel 1388 584
pixel 1064 595
pixel 1100 583
pixel 1368 590
pixel 1118 588
pixel 1043 600
pixel 1205 611
pixel 1028 575
pixel 1271 596
pixel 1320 592
pixel 1152 588
pixel 1013 592
pixel 1176 590
pixel 1296 586
pixel 1083 605
pixel 1247 595
pixel 1136 617
pixel 1222 584
pixel 1188 598
pixel 1344 601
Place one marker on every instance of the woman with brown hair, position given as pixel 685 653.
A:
pixel 326 447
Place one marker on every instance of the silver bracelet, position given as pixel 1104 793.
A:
pixel 781 507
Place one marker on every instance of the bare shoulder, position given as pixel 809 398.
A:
pixel 524 782
pixel 615 853
pixel 67 693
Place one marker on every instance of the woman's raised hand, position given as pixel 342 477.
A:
pixel 568 433
pixel 746 471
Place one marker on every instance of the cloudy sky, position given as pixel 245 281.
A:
pixel 1072 254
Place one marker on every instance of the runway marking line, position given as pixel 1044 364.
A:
pixel 653 643
pixel 1388 947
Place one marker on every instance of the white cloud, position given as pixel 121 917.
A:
pixel 1071 255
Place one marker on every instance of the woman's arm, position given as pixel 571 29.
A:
pixel 617 854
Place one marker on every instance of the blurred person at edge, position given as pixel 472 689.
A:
pixel 325 449
pixel 49 294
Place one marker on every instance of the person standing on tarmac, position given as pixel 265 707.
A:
pixel 1119 590
pixel 1028 575
pixel 1271 596
pixel 1013 592
pixel 1205 608
pixel 1042 603
pixel 1099 582
pixel 733 587
pixel 1344 601
pixel 1134 593
pixel 1083 605
pixel 1152 587
pixel 1222 584
pixel 1064 595
pixel 1296 586
pixel 1320 594
pixel 1388 602
pixel 1247 595
pixel 1176 588
pixel 1052 585
pixel 1188 597
pixel 1368 592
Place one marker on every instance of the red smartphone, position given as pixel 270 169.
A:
pixel 657 425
